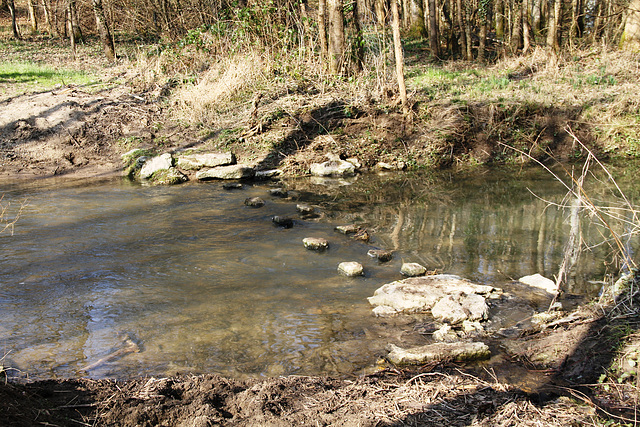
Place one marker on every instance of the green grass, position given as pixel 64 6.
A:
pixel 31 76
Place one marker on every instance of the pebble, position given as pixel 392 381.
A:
pixel 254 202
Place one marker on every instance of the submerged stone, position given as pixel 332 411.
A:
pixel 457 352
pixel 412 269
pixel 305 209
pixel 348 229
pixel 232 186
pixel 351 269
pixel 254 202
pixel 278 192
pixel 380 254
pixel 315 243
pixel 282 221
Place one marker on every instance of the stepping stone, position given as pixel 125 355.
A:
pixel 315 243
pixel 351 269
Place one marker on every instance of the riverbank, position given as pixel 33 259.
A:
pixel 462 117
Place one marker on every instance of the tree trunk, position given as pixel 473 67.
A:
pixel 418 27
pixel 336 36
pixel 103 31
pixel 516 32
pixel 322 30
pixel 553 19
pixel 536 16
pixel 467 33
pixel 526 27
pixel 381 12
pixel 14 19
pixel 47 16
pixel 483 16
pixel 358 39
pixel 73 10
pixel 397 44
pixel 631 35
pixel 33 18
pixel 499 17
pixel 462 41
pixel 434 42
pixel 71 31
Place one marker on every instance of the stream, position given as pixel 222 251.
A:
pixel 115 279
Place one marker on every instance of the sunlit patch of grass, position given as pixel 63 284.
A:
pixel 31 76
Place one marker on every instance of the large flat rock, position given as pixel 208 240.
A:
pixel 420 294
pixel 226 172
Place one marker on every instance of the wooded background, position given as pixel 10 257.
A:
pixel 337 32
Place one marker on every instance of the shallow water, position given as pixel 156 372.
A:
pixel 201 283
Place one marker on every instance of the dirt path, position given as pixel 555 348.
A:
pixel 71 132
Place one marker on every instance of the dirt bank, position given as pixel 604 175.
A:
pixel 389 398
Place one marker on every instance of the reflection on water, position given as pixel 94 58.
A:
pixel 202 283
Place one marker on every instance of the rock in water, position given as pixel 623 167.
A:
pixel 278 192
pixel 412 269
pixel 351 269
pixel 254 202
pixel 420 294
pixel 380 254
pixel 156 164
pixel 458 352
pixel 348 229
pixel 282 221
pixel 540 282
pixel 226 172
pixel 449 310
pixel 315 243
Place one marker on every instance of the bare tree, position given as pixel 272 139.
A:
pixel 33 18
pixel 631 35
pixel 336 36
pixel 554 12
pixel 103 31
pixel 322 30
pixel 399 56
pixel 14 23
pixel 434 42
pixel 418 27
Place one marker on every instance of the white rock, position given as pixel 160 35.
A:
pixel 351 268
pixel 445 334
pixel 540 282
pixel 154 164
pixel 384 311
pixel 459 352
pixel 448 310
pixel 333 168
pixel 420 294
pixel 476 306
pixel 412 269
pixel 205 160
pixel 315 243
pixel 226 172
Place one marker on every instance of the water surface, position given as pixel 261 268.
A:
pixel 201 283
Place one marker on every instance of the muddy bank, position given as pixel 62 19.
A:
pixel 389 398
